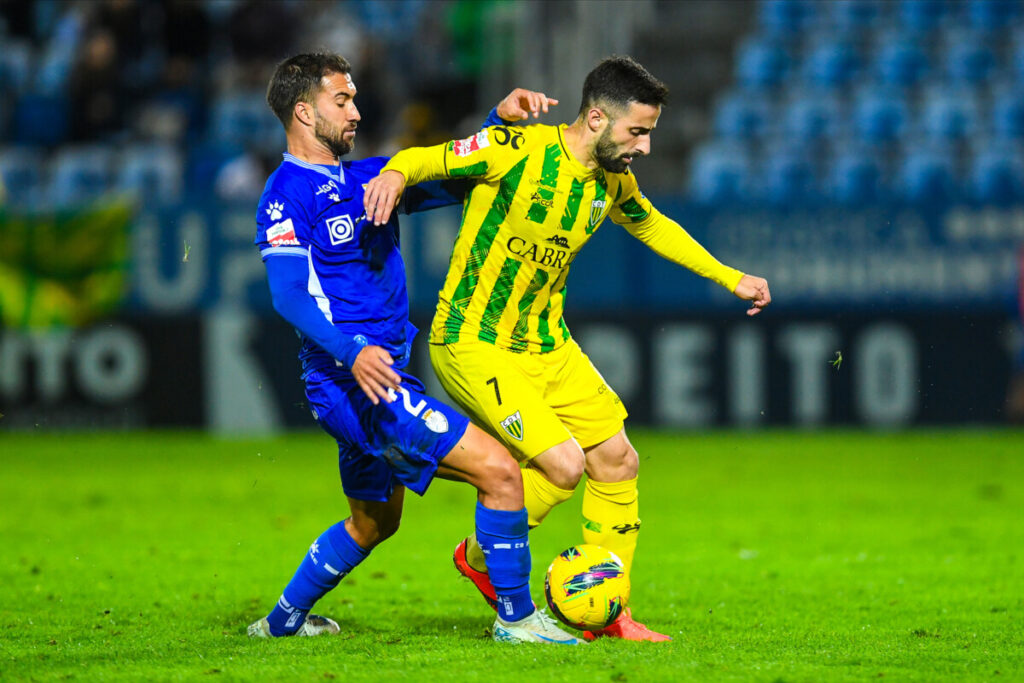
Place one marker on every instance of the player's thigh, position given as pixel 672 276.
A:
pixel 480 460
pixel 405 438
pixel 500 394
pixel 583 401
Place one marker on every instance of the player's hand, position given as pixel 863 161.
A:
pixel 382 195
pixel 520 103
pixel 372 370
pixel 755 290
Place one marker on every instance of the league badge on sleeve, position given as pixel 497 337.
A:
pixel 282 234
pixel 463 148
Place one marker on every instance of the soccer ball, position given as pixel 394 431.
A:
pixel 587 587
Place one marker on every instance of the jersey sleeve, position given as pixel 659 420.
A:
pixel 433 195
pixel 486 154
pixel 665 237
pixel 283 225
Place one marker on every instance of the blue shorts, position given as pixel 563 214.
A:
pixel 386 444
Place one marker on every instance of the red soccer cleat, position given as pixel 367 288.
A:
pixel 479 579
pixel 624 627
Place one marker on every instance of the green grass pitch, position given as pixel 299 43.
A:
pixel 772 556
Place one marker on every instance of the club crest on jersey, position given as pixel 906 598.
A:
pixel 463 148
pixel 596 211
pixel 513 426
pixel 340 229
pixel 274 210
pixel 282 234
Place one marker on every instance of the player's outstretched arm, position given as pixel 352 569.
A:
pixel 520 103
pixel 755 290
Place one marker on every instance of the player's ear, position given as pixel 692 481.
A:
pixel 304 113
pixel 595 119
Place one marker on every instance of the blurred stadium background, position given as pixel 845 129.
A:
pixel 864 156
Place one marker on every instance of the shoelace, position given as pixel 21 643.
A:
pixel 546 619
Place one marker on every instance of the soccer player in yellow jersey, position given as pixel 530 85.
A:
pixel 499 343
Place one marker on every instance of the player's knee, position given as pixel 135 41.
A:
pixel 565 471
pixel 630 463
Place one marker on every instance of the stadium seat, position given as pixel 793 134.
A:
pixel 1008 113
pixel 22 170
pixel 831 64
pixel 853 16
pixel 785 17
pixel 1016 57
pixel 992 15
pixel 969 59
pixel 720 173
pixel 899 61
pixel 923 16
pixel 812 116
pixel 787 176
pixel 879 115
pixel 15 66
pixel 243 119
pixel 927 174
pixel 997 175
pixel 740 116
pixel 760 64
pixel 948 114
pixel 153 173
pixel 39 120
pixel 855 177
pixel 79 175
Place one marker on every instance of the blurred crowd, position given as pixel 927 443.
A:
pixel 166 97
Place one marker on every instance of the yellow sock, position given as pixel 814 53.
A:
pixel 541 495
pixel 611 517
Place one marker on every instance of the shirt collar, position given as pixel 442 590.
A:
pixel 332 172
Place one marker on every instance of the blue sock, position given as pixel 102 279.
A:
pixel 329 559
pixel 502 536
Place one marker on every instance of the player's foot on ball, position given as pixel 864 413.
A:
pixel 626 628
pixel 314 625
pixel 536 628
pixel 479 579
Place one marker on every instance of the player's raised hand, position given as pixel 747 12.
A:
pixel 755 290
pixel 520 103
pixel 372 370
pixel 382 195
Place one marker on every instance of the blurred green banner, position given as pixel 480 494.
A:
pixel 61 269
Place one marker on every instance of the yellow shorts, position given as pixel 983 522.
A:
pixel 530 401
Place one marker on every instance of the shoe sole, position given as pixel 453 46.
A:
pixel 461 563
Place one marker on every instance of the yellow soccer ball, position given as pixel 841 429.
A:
pixel 587 587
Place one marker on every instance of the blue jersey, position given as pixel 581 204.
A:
pixel 356 272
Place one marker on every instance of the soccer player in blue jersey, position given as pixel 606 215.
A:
pixel 340 281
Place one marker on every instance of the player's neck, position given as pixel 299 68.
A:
pixel 580 141
pixel 312 151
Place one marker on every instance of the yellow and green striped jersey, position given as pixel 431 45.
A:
pixel 530 210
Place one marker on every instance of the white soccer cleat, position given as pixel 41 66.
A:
pixel 314 625
pixel 536 628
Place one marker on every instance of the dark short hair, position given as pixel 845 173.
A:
pixel 620 80
pixel 298 78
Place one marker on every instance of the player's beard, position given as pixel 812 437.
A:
pixel 609 155
pixel 332 136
